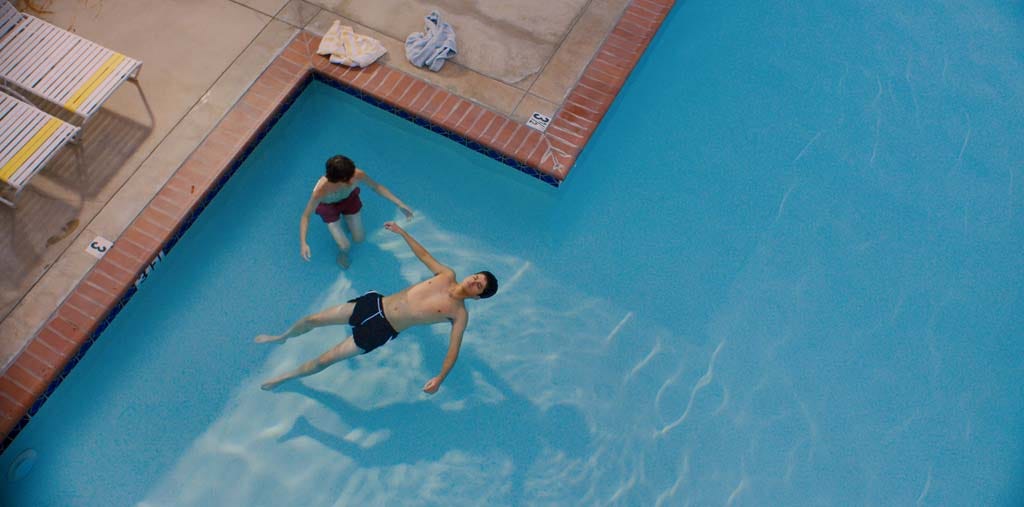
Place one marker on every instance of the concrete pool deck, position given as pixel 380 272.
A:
pixel 213 90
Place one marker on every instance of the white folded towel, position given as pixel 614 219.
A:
pixel 347 48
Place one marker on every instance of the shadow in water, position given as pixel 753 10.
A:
pixel 426 430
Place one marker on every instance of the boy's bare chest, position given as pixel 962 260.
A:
pixel 431 297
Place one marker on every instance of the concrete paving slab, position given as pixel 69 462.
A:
pixel 298 13
pixel 11 329
pixel 34 235
pixel 533 104
pixel 565 67
pixel 269 7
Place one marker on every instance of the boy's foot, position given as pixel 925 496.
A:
pixel 266 338
pixel 343 260
pixel 267 386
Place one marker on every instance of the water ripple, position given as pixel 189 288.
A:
pixel 701 383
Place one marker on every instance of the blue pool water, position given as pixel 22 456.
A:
pixel 787 270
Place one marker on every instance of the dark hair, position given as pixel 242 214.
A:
pixel 340 168
pixel 492 285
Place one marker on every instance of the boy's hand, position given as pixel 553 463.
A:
pixel 306 254
pixel 432 385
pixel 393 227
pixel 406 211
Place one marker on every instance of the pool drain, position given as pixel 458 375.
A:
pixel 22 465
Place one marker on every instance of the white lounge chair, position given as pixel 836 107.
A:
pixel 28 139
pixel 59 66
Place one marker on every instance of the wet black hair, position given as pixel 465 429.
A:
pixel 340 168
pixel 492 285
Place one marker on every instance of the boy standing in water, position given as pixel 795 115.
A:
pixel 336 195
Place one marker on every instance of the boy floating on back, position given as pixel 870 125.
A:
pixel 377 319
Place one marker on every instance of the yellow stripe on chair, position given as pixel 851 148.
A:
pixel 80 95
pixel 29 148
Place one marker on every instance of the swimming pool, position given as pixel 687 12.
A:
pixel 791 277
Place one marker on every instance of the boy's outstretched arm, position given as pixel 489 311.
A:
pixel 385 193
pixel 421 253
pixel 454 344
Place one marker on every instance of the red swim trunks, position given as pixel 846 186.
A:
pixel 331 212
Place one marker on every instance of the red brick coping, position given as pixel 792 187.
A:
pixel 58 346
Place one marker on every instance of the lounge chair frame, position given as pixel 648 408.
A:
pixel 29 138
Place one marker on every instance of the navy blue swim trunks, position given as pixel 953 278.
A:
pixel 370 328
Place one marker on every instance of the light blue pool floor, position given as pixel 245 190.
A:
pixel 791 276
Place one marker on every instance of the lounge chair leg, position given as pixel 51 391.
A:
pixel 152 117
pixel 79 148
pixel 5 200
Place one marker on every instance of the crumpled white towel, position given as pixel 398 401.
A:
pixel 347 48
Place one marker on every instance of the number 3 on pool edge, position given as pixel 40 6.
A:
pixel 99 248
